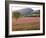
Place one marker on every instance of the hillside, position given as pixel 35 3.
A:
pixel 27 12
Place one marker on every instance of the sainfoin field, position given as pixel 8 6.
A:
pixel 26 23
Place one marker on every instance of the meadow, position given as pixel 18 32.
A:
pixel 26 23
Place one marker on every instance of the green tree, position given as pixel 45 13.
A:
pixel 16 15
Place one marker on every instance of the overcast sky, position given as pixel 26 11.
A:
pixel 22 6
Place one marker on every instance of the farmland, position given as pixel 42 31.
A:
pixel 26 23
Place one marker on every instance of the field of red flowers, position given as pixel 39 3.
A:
pixel 27 23
pixel 28 20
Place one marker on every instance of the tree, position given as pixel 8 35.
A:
pixel 16 15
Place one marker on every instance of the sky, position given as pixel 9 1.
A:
pixel 22 6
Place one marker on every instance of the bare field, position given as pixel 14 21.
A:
pixel 26 23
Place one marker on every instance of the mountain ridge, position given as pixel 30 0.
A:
pixel 28 12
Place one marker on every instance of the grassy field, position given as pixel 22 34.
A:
pixel 32 23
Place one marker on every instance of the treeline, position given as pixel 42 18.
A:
pixel 18 14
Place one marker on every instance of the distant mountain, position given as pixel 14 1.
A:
pixel 33 13
pixel 25 11
pixel 29 12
